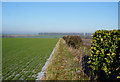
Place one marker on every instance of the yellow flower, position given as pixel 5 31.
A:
pixel 104 37
pixel 108 54
pixel 109 72
pixel 102 51
pixel 94 48
pixel 89 61
pixel 101 39
pixel 92 51
pixel 91 47
pixel 105 69
pixel 117 68
pixel 113 54
pixel 118 76
pixel 97 52
pixel 119 39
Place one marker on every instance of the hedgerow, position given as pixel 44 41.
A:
pixel 105 54
pixel 74 41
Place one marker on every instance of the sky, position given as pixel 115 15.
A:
pixel 60 0
pixel 35 17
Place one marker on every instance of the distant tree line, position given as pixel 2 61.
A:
pixel 65 33
pixel 8 36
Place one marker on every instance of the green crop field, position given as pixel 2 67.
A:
pixel 23 58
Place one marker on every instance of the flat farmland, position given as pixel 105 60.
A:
pixel 23 58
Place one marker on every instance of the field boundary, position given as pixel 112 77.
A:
pixel 41 74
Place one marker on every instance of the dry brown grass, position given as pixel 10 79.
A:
pixel 67 63
pixel 80 58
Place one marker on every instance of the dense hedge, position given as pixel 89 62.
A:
pixel 105 54
pixel 74 41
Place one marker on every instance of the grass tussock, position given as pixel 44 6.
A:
pixel 68 63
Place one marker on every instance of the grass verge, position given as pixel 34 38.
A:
pixel 67 63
